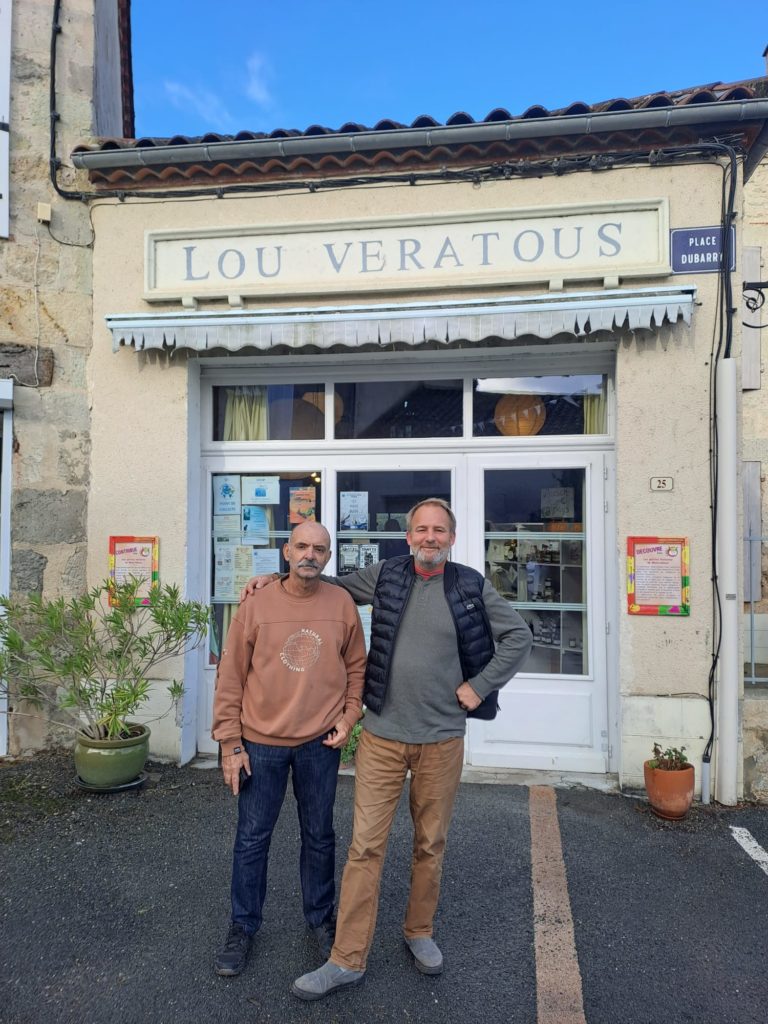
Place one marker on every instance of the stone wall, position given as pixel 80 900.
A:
pixel 46 309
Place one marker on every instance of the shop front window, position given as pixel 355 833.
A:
pixel 526 406
pixel 399 409
pixel 534 557
pixel 271 412
pixel 371 511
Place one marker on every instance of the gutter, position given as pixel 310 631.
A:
pixel 723 113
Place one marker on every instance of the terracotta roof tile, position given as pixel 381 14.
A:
pixel 321 164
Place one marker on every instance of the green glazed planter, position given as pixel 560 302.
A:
pixel 109 763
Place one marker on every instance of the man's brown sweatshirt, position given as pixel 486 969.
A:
pixel 291 668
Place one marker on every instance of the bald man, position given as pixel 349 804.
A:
pixel 288 691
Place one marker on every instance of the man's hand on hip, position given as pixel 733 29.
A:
pixel 231 766
pixel 338 736
pixel 467 698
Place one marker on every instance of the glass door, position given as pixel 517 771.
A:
pixel 251 504
pixel 541 532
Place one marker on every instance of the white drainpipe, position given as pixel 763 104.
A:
pixel 726 782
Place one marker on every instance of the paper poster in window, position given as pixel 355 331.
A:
pixel 255 525
pixel 226 495
pixel 226 527
pixel 353 510
pixel 265 561
pixel 369 555
pixel 260 490
pixel 242 566
pixel 349 557
pixel 224 573
pixel 557 503
pixel 301 504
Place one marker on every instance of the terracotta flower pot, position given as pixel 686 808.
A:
pixel 670 794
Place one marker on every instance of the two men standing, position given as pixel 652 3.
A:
pixel 442 640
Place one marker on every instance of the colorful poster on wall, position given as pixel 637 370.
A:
pixel 301 504
pixel 135 558
pixel 226 495
pixel 260 490
pixel 353 510
pixel 658 576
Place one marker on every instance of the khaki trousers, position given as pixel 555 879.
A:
pixel 381 767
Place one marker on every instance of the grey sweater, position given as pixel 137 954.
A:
pixel 421 705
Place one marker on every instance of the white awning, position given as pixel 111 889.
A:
pixel 580 314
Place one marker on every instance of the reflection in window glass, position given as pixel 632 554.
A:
pixel 370 409
pixel 273 412
pixel 525 406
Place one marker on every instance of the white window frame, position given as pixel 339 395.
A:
pixel 447 365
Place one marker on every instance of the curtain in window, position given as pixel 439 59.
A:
pixel 594 414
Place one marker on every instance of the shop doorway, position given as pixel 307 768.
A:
pixel 533 524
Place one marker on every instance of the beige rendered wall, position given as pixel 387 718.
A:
pixel 45 313
pixel 140 406
pixel 756 450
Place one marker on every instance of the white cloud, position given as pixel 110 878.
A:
pixel 256 88
pixel 207 105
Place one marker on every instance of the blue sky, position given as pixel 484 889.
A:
pixel 262 64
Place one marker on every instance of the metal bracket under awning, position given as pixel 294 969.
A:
pixel 580 314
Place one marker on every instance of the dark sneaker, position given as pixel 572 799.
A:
pixel 233 955
pixel 325 936
pixel 324 980
pixel 426 955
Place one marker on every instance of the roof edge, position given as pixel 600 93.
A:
pixel 733 111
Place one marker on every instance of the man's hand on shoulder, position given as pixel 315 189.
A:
pixel 338 736
pixel 256 583
pixel 467 698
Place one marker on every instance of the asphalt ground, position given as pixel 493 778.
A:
pixel 111 910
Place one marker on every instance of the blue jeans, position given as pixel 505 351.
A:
pixel 315 771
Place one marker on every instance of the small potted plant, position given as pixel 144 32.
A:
pixel 669 782
pixel 86 663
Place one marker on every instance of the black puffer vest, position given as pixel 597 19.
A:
pixel 464 594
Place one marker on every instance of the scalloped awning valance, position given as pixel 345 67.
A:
pixel 580 314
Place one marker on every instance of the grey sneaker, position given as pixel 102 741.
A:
pixel 324 980
pixel 426 954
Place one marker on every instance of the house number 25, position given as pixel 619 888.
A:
pixel 662 483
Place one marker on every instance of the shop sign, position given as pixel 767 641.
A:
pixel 503 247
pixel 700 250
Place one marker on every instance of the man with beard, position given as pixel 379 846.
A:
pixel 288 691
pixel 442 640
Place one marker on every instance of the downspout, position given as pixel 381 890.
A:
pixel 727 713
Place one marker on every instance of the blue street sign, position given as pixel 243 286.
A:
pixel 699 250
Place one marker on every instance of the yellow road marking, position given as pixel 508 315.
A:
pixel 558 978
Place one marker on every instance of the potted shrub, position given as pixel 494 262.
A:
pixel 669 782
pixel 86 664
